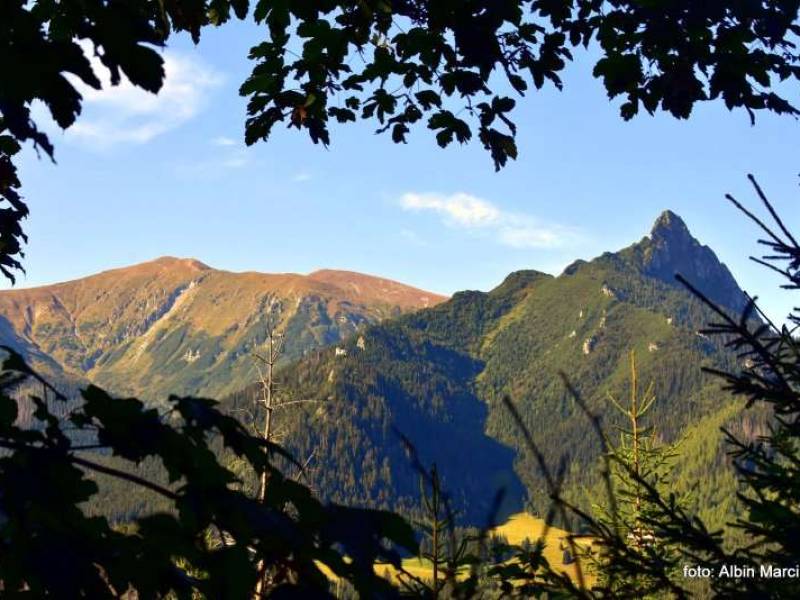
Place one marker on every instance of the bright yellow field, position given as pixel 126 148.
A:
pixel 516 530
pixel 523 526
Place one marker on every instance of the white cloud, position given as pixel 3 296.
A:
pixel 529 236
pixel 302 177
pixel 458 209
pixel 126 114
pixel 469 212
pixel 223 141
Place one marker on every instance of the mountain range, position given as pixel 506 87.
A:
pixel 388 372
pixel 438 377
pixel 178 326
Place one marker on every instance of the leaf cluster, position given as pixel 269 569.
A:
pixel 210 540
pixel 452 65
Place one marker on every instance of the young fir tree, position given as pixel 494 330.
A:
pixel 636 462
pixel 435 525
pixel 458 560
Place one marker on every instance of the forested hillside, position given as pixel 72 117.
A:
pixel 438 376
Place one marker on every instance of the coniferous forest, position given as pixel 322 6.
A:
pixel 625 426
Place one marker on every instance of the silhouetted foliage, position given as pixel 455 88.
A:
pixel 12 208
pixel 211 538
pixel 397 62
pixel 447 64
pixel 400 62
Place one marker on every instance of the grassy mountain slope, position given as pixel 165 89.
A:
pixel 178 326
pixel 439 376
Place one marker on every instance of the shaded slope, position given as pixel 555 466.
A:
pixel 426 373
pixel 404 380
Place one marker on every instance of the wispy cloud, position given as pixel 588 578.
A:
pixel 302 177
pixel 459 209
pixel 125 114
pixel 465 211
pixel 224 141
pixel 236 160
pixel 214 167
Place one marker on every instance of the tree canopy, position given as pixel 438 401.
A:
pixel 450 65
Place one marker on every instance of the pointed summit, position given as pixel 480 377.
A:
pixel 670 225
pixel 670 236
pixel 671 249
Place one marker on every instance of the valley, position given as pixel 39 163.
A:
pixel 392 377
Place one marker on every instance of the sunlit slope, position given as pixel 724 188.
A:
pixel 581 327
pixel 439 376
pixel 178 326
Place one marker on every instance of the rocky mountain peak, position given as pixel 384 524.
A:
pixel 670 227
pixel 672 249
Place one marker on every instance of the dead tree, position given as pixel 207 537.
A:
pixel 268 401
pixel 268 397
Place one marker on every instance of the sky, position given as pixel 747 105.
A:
pixel 141 176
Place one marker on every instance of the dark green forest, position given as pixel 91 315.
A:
pixel 467 386
pixel 421 433
pixel 442 373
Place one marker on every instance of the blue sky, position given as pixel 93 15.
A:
pixel 141 177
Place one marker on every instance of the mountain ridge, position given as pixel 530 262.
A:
pixel 324 275
pixel 130 323
pixel 419 371
pixel 438 375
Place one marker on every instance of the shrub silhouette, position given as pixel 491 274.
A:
pixel 210 541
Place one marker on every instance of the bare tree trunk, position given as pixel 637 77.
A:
pixel 267 391
pixel 270 402
pixel 274 344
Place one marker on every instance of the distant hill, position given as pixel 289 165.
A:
pixel 179 326
pixel 439 375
